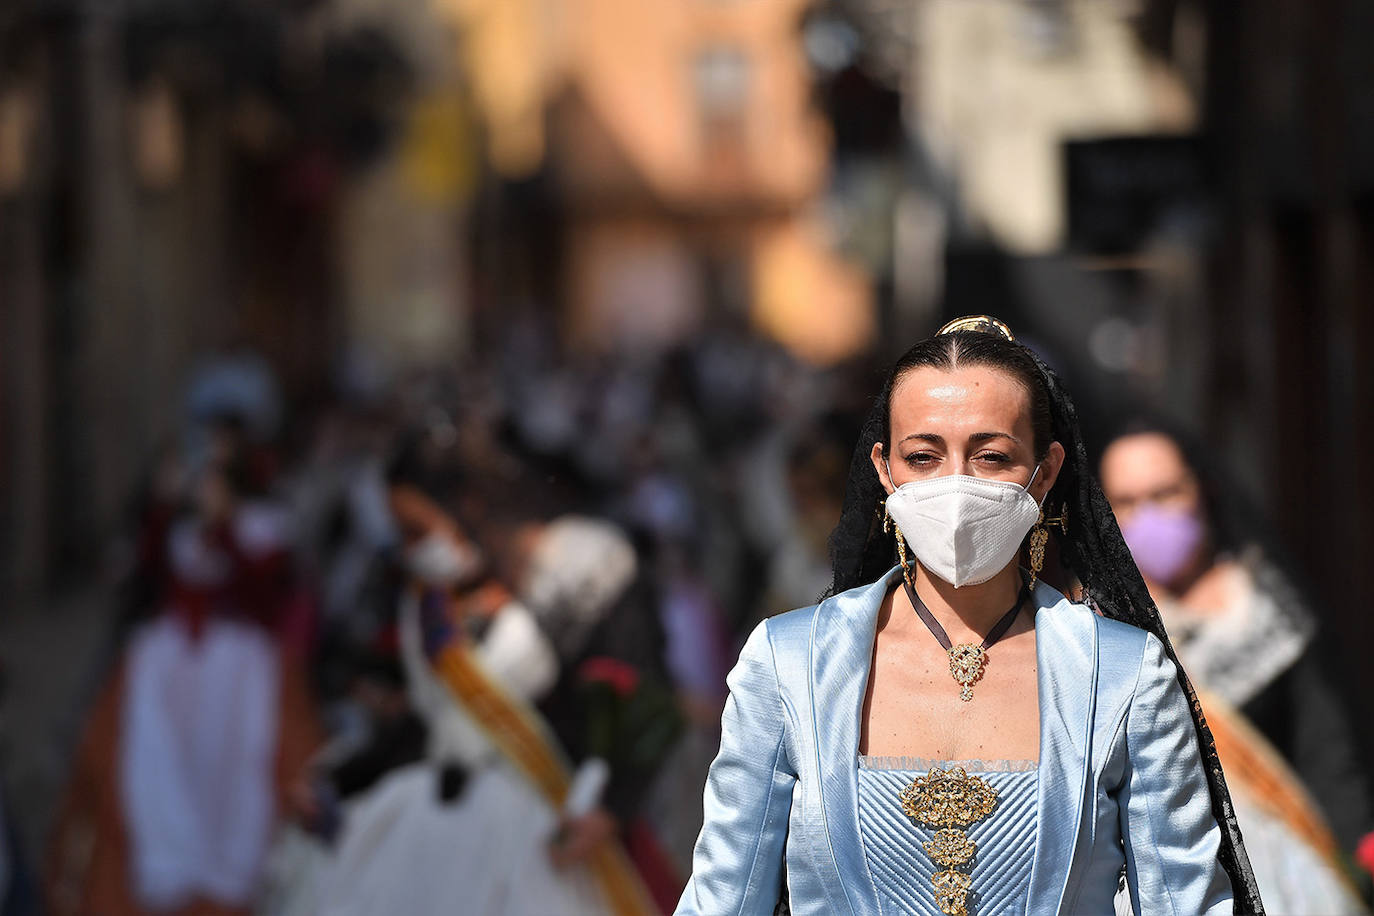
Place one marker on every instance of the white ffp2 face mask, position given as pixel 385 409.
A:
pixel 964 529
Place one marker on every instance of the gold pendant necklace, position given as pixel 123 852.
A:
pixel 950 801
pixel 966 660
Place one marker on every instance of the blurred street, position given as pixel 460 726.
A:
pixel 74 628
pixel 408 407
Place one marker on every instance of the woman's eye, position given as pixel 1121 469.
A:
pixel 994 458
pixel 919 458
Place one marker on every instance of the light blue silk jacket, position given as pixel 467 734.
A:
pixel 1120 778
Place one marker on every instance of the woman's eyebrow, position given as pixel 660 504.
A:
pixel 984 437
pixel 932 438
pixel 937 440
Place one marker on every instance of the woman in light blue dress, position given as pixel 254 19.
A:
pixel 946 734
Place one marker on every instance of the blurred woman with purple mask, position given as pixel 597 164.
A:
pixel 1246 637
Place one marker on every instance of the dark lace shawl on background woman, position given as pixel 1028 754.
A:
pixel 1093 552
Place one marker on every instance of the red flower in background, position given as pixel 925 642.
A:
pixel 621 677
pixel 631 719
pixel 1364 853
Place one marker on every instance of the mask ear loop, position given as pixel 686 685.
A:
pixel 1040 503
pixel 1061 520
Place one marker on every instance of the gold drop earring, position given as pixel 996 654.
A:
pixel 892 526
pixel 1039 537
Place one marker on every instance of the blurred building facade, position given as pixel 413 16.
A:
pixel 682 156
pixel 191 179
pixel 352 187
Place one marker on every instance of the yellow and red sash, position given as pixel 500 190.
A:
pixel 1254 767
pixel 517 731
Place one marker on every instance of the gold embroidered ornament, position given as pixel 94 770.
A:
pixel 949 800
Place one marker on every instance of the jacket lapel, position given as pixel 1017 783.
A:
pixel 841 658
pixel 1065 648
pixel 841 655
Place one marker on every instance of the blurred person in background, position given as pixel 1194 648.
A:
pixel 234 406
pixel 484 820
pixel 186 759
pixel 800 488
pixel 601 598
pixel 217 443
pixel 697 652
pixel 1246 635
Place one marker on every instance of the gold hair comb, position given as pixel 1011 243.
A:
pixel 979 324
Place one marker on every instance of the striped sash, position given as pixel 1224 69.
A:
pixel 517 732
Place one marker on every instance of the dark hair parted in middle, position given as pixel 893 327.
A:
pixel 957 349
